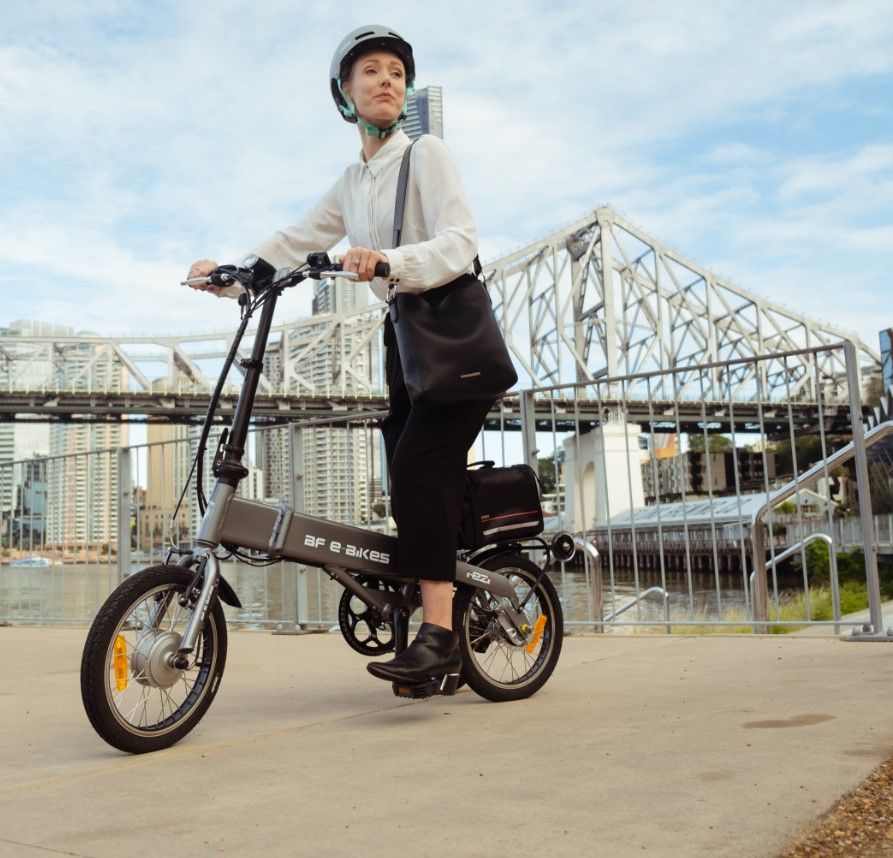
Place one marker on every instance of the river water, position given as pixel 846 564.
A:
pixel 273 596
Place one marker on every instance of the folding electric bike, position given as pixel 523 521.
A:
pixel 155 654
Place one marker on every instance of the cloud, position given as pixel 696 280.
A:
pixel 152 134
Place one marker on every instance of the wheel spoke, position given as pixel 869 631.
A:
pixel 142 703
pixel 494 658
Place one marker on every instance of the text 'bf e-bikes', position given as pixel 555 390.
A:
pixel 155 654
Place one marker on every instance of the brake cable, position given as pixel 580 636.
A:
pixel 247 310
pixel 197 468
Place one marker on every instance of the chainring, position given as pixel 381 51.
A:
pixel 363 627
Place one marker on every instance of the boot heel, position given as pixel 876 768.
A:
pixel 449 684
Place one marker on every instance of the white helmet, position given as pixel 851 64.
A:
pixel 361 41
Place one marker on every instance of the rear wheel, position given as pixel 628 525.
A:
pixel 134 696
pixel 492 665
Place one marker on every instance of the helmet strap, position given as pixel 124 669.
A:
pixel 374 130
pixel 348 109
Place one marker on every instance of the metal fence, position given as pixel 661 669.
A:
pixel 660 475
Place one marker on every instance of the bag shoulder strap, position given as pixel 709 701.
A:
pixel 402 181
pixel 400 204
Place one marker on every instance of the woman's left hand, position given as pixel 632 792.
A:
pixel 362 260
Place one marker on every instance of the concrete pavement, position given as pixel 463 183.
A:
pixel 639 745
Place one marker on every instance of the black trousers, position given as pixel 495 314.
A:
pixel 427 449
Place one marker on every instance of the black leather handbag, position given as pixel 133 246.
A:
pixel 451 348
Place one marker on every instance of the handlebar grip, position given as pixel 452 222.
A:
pixel 382 269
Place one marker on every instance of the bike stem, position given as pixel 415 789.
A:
pixel 231 469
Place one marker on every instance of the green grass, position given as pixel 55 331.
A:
pixel 792 607
pixel 853 597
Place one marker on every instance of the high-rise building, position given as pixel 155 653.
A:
pixel 168 461
pixel 424 113
pixel 23 439
pixel 331 296
pixel 886 337
pixel 19 441
pixel 336 468
pixel 82 486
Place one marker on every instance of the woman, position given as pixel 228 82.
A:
pixel 372 74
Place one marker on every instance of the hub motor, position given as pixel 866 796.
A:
pixel 153 659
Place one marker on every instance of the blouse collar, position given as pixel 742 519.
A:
pixel 392 150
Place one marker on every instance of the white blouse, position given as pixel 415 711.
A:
pixel 439 239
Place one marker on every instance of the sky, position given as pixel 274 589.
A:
pixel 135 137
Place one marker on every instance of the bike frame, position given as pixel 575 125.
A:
pixel 341 550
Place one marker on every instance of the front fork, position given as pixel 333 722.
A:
pixel 208 567
pixel 211 580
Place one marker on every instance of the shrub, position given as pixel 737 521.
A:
pixel 853 597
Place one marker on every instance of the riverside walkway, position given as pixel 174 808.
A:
pixel 639 745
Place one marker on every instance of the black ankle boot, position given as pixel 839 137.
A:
pixel 432 656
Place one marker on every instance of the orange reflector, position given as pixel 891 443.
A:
pixel 538 627
pixel 120 660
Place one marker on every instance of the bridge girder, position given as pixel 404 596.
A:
pixel 601 297
pixel 597 299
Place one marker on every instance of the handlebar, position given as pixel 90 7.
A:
pixel 317 267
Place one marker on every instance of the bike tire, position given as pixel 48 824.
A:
pixel 145 714
pixel 492 666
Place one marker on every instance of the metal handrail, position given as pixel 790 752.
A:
pixel 855 449
pixel 832 559
pixel 651 591
pixel 595 581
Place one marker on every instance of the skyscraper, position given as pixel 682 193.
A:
pixel 424 114
pixel 82 487
pixel 338 465
pixel 24 438
pixel 331 296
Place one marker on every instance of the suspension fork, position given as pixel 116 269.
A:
pixel 200 609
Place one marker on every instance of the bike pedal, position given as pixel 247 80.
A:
pixel 446 685
pixel 419 691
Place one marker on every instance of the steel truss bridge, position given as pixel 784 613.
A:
pixel 596 301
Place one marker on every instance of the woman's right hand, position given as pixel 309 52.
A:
pixel 203 268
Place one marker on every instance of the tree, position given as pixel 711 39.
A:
pixel 699 443
pixel 545 468
pixel 808 450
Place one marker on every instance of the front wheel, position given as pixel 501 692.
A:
pixel 492 665
pixel 134 696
